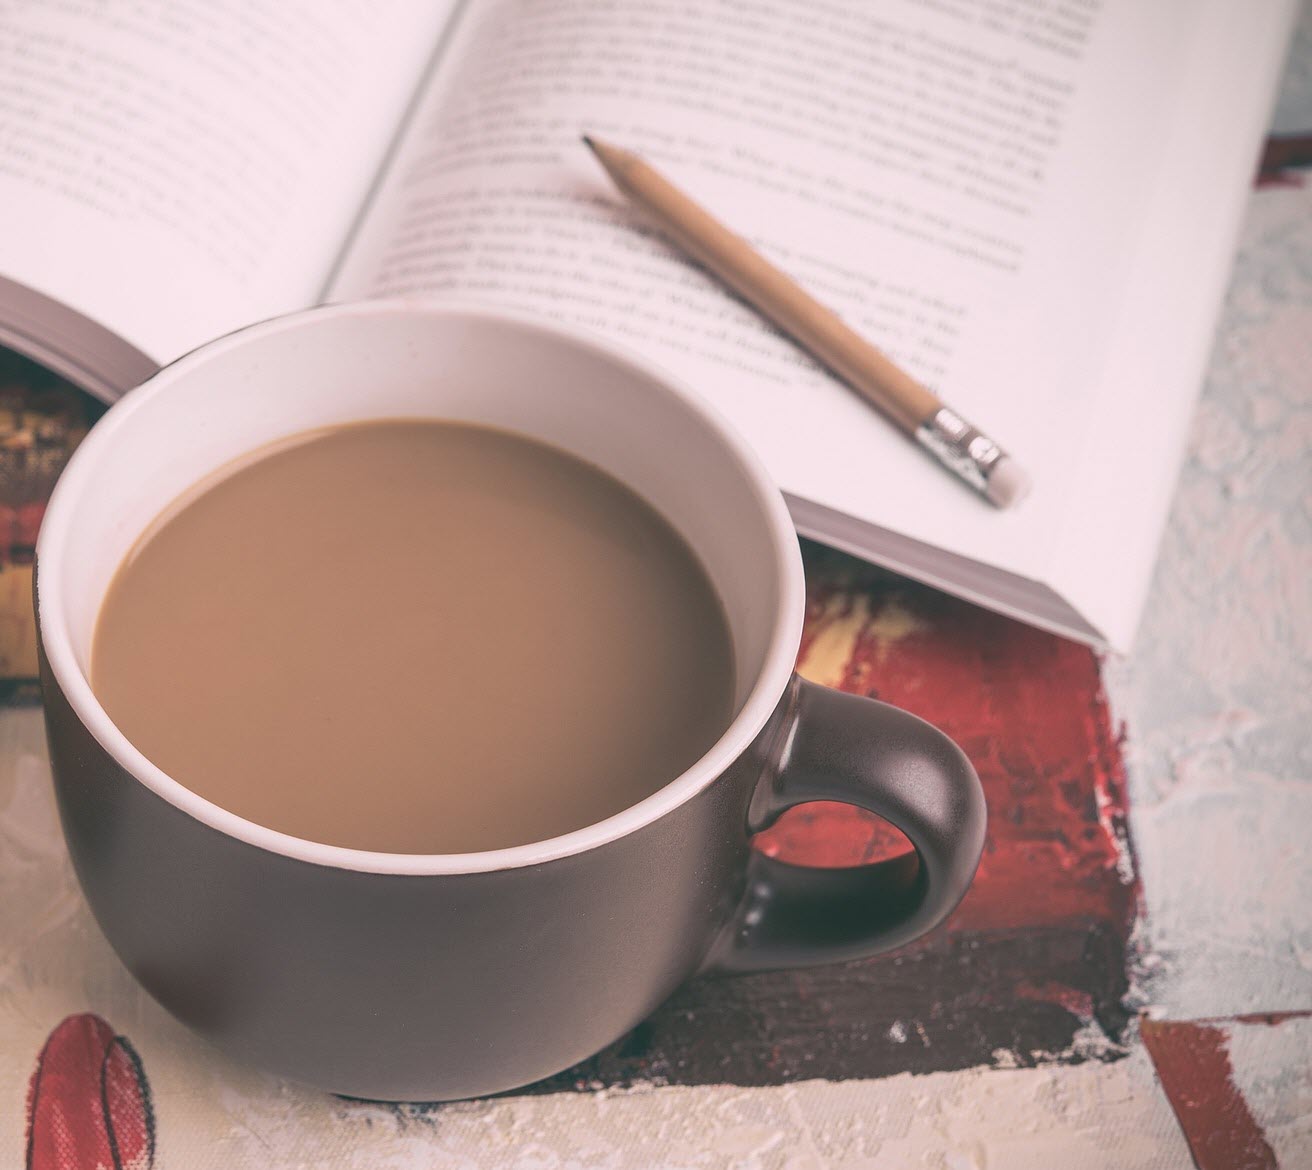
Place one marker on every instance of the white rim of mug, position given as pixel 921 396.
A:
pixel 763 697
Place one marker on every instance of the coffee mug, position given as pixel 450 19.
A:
pixel 416 977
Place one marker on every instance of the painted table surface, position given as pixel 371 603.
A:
pixel 1129 982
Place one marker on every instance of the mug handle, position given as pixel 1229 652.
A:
pixel 841 747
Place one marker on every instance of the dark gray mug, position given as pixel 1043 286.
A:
pixel 437 977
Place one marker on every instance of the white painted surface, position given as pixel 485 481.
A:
pixel 1217 697
pixel 957 1121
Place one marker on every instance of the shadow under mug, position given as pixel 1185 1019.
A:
pixel 410 977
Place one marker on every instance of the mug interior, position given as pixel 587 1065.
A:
pixel 349 363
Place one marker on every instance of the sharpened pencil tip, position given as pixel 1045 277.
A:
pixel 592 146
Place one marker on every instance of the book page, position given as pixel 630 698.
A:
pixel 962 179
pixel 173 169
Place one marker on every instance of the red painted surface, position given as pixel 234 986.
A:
pixel 8 526
pixel 1271 1019
pixel 1029 710
pixel 88 1103
pixel 27 523
pixel 1193 1063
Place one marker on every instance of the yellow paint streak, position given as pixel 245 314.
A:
pixel 892 623
pixel 831 650
pixel 829 656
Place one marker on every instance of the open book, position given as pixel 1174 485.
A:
pixel 1030 204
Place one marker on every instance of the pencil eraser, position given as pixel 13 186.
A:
pixel 1007 483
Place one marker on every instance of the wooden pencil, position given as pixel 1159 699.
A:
pixel 906 402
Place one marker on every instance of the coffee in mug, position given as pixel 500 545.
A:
pixel 415 636
pixel 436 975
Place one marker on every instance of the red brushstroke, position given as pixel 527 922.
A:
pixel 1193 1063
pixel 88 1103
pixel 27 523
pixel 1030 712
pixel 8 526
pixel 1075 1000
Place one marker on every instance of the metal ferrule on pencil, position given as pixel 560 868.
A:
pixel 960 446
